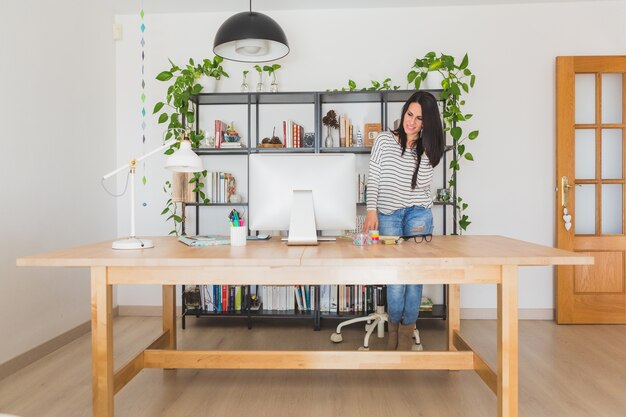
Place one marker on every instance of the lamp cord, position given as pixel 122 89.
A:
pixel 250 6
pixel 123 191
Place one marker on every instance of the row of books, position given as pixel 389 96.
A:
pixel 293 134
pixel 345 131
pixel 217 186
pixel 215 298
pixel 333 298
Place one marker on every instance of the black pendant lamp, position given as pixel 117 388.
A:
pixel 250 37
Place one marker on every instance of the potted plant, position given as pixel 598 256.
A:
pixel 271 73
pixel 456 79
pixel 209 72
pixel 259 85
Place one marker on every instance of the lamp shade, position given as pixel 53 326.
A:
pixel 184 159
pixel 250 37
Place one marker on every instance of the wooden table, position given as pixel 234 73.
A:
pixel 449 260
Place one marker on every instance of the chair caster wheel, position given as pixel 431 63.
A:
pixel 363 348
pixel 336 337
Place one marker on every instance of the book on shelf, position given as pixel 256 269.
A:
pixel 207 240
pixel 293 133
pixel 182 189
pixel 426 304
pixel 231 145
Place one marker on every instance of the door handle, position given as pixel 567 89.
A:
pixel 565 190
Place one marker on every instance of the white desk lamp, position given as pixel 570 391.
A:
pixel 182 160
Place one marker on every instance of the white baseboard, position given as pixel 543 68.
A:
pixel 466 313
pixel 492 313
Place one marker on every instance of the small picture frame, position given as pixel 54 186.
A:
pixel 371 132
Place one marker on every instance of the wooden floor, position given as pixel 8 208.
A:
pixel 573 371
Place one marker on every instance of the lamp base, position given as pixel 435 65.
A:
pixel 133 243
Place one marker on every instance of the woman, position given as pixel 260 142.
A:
pixel 399 197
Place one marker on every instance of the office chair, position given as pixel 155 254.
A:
pixel 373 321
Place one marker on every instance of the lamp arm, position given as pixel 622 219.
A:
pixel 141 158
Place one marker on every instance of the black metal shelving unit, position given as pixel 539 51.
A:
pixel 253 102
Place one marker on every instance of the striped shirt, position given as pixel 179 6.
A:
pixel 390 174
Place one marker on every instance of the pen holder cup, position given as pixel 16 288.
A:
pixel 238 236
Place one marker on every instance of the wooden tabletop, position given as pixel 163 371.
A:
pixel 442 251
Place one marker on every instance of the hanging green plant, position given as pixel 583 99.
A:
pixel 180 115
pixel 457 80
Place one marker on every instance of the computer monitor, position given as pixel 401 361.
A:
pixel 302 193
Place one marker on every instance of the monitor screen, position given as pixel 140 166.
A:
pixel 281 186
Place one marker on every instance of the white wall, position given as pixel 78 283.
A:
pixel 512 49
pixel 58 127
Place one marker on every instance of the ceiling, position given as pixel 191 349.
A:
pixel 199 6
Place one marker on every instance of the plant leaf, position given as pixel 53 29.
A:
pixel 469 156
pixel 158 107
pixel 464 62
pixel 164 76
pixel 456 132
pixel 163 118
pixel 473 135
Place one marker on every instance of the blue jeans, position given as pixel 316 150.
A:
pixel 403 301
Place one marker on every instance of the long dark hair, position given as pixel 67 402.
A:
pixel 430 138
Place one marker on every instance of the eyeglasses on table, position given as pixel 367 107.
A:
pixel 416 238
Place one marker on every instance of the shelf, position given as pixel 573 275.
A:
pixel 207 313
pixel 253 313
pixel 348 149
pixel 282 150
pixel 315 103
pixel 282 314
pixel 283 98
pixel 218 151
pixel 220 98
pixel 217 204
pixel 351 97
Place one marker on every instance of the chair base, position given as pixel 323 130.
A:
pixel 373 321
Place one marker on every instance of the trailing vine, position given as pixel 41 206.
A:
pixel 180 115
pixel 457 79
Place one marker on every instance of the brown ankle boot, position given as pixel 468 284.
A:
pixel 392 341
pixel 405 337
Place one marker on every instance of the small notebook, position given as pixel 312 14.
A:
pixel 209 240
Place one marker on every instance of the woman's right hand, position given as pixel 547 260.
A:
pixel 371 221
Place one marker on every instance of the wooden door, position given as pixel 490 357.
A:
pixel 590 168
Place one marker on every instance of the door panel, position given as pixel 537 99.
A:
pixel 604 276
pixel 590 184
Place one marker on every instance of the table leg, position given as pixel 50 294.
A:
pixel 101 343
pixel 507 343
pixel 169 314
pixel 453 312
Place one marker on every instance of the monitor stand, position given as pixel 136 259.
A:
pixel 302 229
